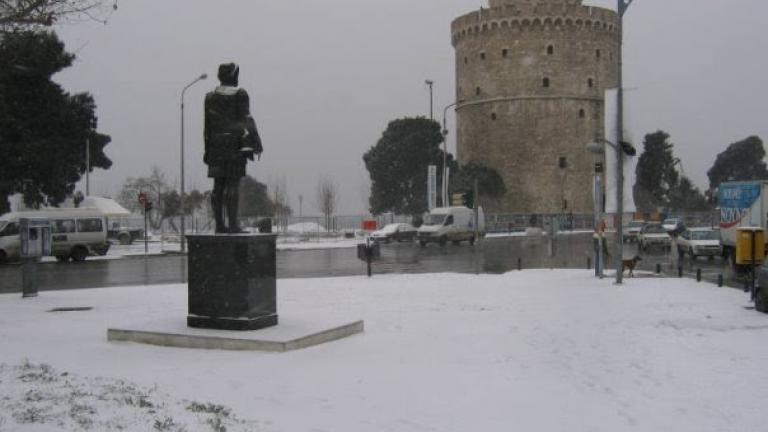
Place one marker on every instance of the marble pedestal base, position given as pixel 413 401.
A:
pixel 232 281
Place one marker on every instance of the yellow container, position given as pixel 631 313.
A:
pixel 744 244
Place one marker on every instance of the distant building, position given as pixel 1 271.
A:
pixel 532 75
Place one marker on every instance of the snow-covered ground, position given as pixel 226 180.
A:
pixel 529 351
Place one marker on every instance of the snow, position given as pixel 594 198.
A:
pixel 536 350
pixel 306 227
pixel 292 243
pixel 108 206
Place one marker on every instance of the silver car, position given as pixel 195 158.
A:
pixel 698 242
pixel 654 236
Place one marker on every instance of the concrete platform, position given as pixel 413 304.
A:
pixel 293 333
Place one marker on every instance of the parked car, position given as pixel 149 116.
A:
pixel 673 225
pixel 632 230
pixel 699 242
pixel 125 235
pixel 455 224
pixel 395 232
pixel 654 235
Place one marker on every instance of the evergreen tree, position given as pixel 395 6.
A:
pixel 659 184
pixel 656 172
pixel 687 197
pixel 398 165
pixel 489 183
pixel 254 198
pixel 743 160
pixel 43 129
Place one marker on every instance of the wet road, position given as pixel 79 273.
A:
pixel 492 255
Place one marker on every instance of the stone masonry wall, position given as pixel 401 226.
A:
pixel 531 75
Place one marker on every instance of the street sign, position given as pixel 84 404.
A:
pixel 142 199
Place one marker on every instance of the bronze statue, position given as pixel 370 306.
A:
pixel 231 139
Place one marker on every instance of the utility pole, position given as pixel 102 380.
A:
pixel 92 126
pixel 88 165
pixel 430 83
pixel 444 185
pixel 623 5
pixel 301 200
pixel 183 192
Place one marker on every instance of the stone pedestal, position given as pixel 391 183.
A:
pixel 232 281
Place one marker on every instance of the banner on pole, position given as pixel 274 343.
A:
pixel 432 187
pixel 630 163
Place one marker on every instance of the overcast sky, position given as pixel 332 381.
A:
pixel 325 78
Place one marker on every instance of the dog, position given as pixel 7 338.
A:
pixel 630 264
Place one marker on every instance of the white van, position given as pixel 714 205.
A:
pixel 454 224
pixel 77 233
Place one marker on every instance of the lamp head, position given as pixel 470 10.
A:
pixel 596 147
pixel 628 149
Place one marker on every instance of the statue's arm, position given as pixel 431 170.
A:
pixel 250 132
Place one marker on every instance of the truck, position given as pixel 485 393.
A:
pixel 742 204
pixel 454 224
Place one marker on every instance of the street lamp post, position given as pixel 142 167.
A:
pixel 430 83
pixel 623 5
pixel 92 126
pixel 445 153
pixel 183 219
pixel 597 147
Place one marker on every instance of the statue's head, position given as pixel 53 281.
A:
pixel 229 74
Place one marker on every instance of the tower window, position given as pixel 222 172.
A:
pixel 504 52
pixel 582 113
pixel 482 56
pixel 563 162
pixel 545 82
pixel 591 83
pixel 493 116
pixel 477 91
pixel 597 54
pixel 466 60
pixel 550 49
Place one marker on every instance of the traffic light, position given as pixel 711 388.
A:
pixel 148 206
pixel 465 199
pixel 469 199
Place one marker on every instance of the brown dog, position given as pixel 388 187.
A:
pixel 630 264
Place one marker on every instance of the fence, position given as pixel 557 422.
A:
pixel 311 227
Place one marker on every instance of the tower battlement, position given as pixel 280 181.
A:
pixel 535 15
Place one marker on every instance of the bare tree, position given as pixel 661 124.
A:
pixel 327 198
pixel 154 186
pixel 16 14
pixel 281 202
